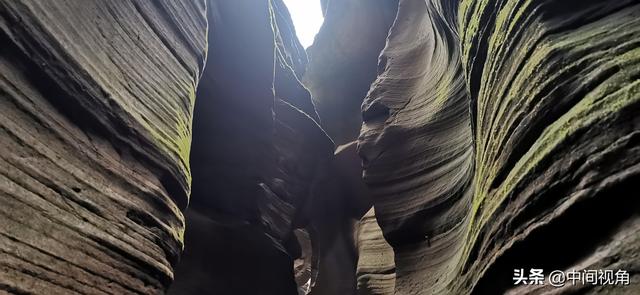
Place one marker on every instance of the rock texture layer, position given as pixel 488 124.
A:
pixel 342 64
pixel 376 266
pixel 555 106
pixel 497 134
pixel 96 101
pixel 257 155
pixel 498 127
pixel 416 145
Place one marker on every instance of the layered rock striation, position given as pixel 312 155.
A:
pixel 422 147
pixel 342 65
pixel 502 135
pixel 96 107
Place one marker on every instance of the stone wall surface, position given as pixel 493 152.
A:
pixel 257 155
pixel 503 135
pixel 421 147
pixel 96 107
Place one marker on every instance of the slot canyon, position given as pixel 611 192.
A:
pixel 416 147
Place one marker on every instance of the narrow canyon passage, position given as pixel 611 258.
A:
pixel 413 147
pixel 402 137
pixel 277 193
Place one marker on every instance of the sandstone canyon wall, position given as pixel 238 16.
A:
pixel 96 108
pixel 417 147
pixel 502 135
pixel 342 65
pixel 257 153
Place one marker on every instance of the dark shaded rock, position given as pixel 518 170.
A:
pixel 96 101
pixel 232 259
pixel 343 62
pixel 257 153
pixel 337 204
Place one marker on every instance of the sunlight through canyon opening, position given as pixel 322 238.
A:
pixel 307 19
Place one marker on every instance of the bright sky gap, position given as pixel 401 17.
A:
pixel 307 19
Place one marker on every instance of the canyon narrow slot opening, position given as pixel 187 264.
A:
pixel 307 19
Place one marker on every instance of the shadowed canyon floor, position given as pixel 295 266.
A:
pixel 417 147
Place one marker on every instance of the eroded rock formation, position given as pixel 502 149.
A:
pixel 502 135
pixel 257 153
pixel 376 264
pixel 342 64
pixel 96 104
pixel 337 205
pixel 487 135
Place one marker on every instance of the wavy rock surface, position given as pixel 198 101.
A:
pixel 416 145
pixel 498 134
pixel 257 154
pixel 497 127
pixel 556 114
pixel 99 102
pixel 96 101
pixel 376 266
pixel 342 64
